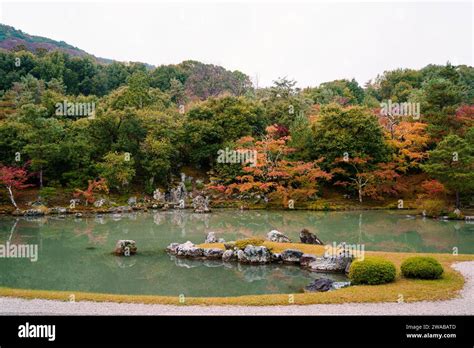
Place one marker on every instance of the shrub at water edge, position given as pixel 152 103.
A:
pixel 372 271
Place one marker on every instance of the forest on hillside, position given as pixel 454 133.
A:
pixel 70 121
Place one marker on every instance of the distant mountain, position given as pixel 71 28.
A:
pixel 12 39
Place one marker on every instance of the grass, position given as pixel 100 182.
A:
pixel 412 290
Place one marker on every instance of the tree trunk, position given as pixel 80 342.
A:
pixel 41 177
pixel 11 196
pixel 360 195
pixel 458 201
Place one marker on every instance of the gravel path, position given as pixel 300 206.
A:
pixel 463 305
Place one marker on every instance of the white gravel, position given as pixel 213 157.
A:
pixel 463 305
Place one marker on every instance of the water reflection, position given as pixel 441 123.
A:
pixel 75 253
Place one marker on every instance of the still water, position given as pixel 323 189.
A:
pixel 75 254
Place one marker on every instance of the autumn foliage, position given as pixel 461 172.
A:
pixel 94 187
pixel 14 178
pixel 274 174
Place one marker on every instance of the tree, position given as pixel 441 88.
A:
pixel 157 160
pixel 452 163
pixel 44 138
pixel 343 92
pixel 272 173
pixel 368 179
pixel 13 178
pixel 94 186
pixel 209 124
pixel 353 130
pixel 118 169
pixel 409 141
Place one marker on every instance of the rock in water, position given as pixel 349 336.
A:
pixel 132 201
pixel 229 255
pixel 213 254
pixel 306 259
pixel 126 247
pixel 330 264
pixel 211 238
pixel 254 254
pixel 291 256
pixel 172 248
pixel 307 237
pixel 322 284
pixel 188 249
pixel 340 285
pixel 275 236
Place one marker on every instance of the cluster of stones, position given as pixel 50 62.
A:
pixel 125 247
pixel 252 254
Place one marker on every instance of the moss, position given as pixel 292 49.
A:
pixel 421 268
pixel 242 243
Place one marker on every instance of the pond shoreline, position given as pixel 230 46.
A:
pixel 462 305
pixel 92 212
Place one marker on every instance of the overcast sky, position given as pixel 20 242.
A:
pixel 311 42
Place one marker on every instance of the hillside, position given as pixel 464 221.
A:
pixel 12 39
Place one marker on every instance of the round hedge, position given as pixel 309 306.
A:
pixel 421 267
pixel 372 271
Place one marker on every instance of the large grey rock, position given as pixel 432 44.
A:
pixel 58 210
pixel 34 212
pixel 276 257
pixel 229 255
pixel 306 259
pixel 275 236
pixel 325 284
pixel 132 201
pixel 213 253
pixel 329 264
pixel 307 237
pixel 340 285
pixel 125 247
pixel 348 267
pixel 291 256
pixel 172 248
pixel 254 254
pixel 320 285
pixel 188 249
pixel 211 238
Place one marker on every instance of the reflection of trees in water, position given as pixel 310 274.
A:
pixel 94 235
pixel 408 234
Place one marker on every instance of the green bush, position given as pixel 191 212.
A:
pixel 433 207
pixel 242 243
pixel 421 267
pixel 372 271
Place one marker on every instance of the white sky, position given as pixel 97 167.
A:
pixel 311 42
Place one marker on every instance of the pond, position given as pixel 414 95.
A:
pixel 75 254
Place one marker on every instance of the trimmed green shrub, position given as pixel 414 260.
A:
pixel 372 271
pixel 422 267
pixel 242 243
